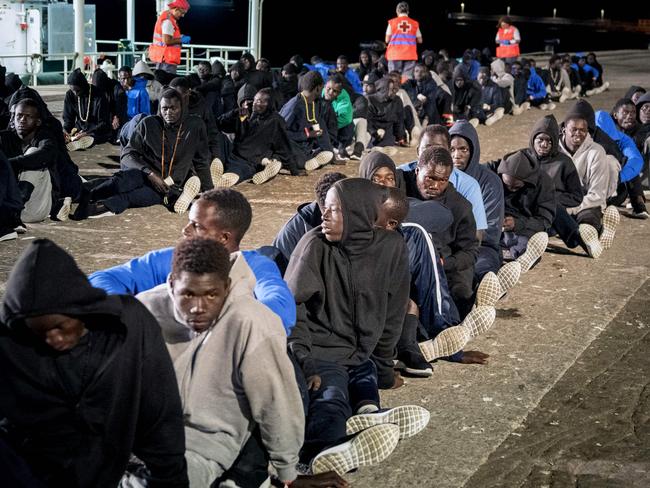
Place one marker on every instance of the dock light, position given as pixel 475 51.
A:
pixel 602 14
pixel 554 12
pixel 462 8
pixel 508 10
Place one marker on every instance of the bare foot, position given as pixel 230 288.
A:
pixel 474 357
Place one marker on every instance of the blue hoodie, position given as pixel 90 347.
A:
pixel 490 183
pixel 536 87
pixel 138 98
pixel 148 271
pixel 625 143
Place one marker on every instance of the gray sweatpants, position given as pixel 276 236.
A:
pixel 38 207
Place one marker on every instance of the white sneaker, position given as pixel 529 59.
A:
pixel 543 106
pixel 416 133
pixel 590 93
pixel 589 236
pixel 517 110
pixel 491 120
pixel 388 150
pixel 534 250
pixel 369 447
pixel 216 171
pixel 509 274
pixel 552 106
pixel 611 219
pixel 411 420
pixel 272 168
pixel 474 122
pixel 448 342
pixel 83 143
pixel 525 106
pixel 489 290
pixel 500 112
pixel 8 236
pixel 479 320
pixel 64 211
pixel 564 97
pixel 321 159
pixel 191 189
pixel 227 180
pixel 380 134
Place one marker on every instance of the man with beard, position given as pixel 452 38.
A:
pixel 157 165
pixel 386 115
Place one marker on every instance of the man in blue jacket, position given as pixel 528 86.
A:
pixel 224 215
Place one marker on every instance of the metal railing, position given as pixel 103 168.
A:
pixel 190 55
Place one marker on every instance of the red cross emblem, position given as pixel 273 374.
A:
pixel 404 26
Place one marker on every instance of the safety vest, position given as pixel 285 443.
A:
pixel 159 52
pixel 509 50
pixel 402 45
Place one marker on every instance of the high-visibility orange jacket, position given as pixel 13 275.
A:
pixel 402 45
pixel 507 50
pixel 159 52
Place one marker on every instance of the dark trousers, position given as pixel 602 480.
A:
pixel 251 468
pixel 241 167
pixel 344 136
pixel 460 286
pixel 566 225
pixel 514 243
pixel 342 391
pixel 488 260
pixel 126 189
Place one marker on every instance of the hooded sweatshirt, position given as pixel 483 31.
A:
pixel 467 98
pixel 255 384
pixel 583 109
pixel 633 159
pixel 557 165
pixel 351 295
pixel 597 171
pixel 490 183
pixel 95 113
pixel 385 112
pixel 185 146
pixel 75 417
pixel 533 205
pixel 374 160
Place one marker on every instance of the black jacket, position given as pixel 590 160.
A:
pixel 385 112
pixel 351 295
pixel 144 149
pixel 199 107
pixel 76 420
pixel 306 218
pixel 438 101
pixel 467 98
pixel 533 205
pixel 97 115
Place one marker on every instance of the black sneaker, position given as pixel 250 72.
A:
pixel 412 362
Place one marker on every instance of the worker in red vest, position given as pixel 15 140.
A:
pixel 402 36
pixel 507 40
pixel 167 39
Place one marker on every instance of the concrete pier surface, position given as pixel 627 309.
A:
pixel 564 400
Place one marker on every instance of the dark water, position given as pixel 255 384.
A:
pixel 337 27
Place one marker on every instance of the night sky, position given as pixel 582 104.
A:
pixel 337 27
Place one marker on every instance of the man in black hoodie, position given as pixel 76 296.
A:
pixel 430 102
pixel 351 285
pixel 529 202
pixel 157 165
pixel 11 201
pixel 466 103
pixel 459 244
pixel 86 113
pixel 86 380
pixel 386 115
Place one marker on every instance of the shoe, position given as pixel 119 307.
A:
pixel 590 93
pixel 369 447
pixel 19 226
pixel 500 112
pixel 517 110
pixel 343 154
pixel 412 361
pixel 491 120
pixel 98 210
pixel 321 159
pixel 216 171
pixel 64 212
pixel 509 275
pixel 7 234
pixel 474 122
pixel 552 106
pixel 191 189
pixel 525 106
pixel 489 290
pixel 479 320
pixel 416 133
pixel 83 143
pixel 411 420
pixel 447 343
pixel 380 134
pixel 611 219
pixel 227 180
pixel 272 168
pixel 642 214
pixel 388 150
pixel 367 408
pixel 543 106
pixel 534 250
pixel 357 152
pixel 605 86
pixel 589 236
pixel 564 97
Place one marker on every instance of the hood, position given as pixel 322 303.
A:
pixel 520 166
pixel 582 109
pixel 605 122
pixel 13 82
pixel 547 125
pixel 425 54
pixel 27 92
pixel 461 71
pixel 498 67
pixel 382 86
pixel 250 58
pixel 218 69
pixel 142 69
pixel 100 79
pixel 374 160
pixel 640 103
pixel 360 202
pixel 46 280
pixel 464 129
pixel 633 89
pixel 77 78
pixel 246 92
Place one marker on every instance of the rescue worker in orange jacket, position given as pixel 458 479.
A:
pixel 167 39
pixel 507 40
pixel 402 36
